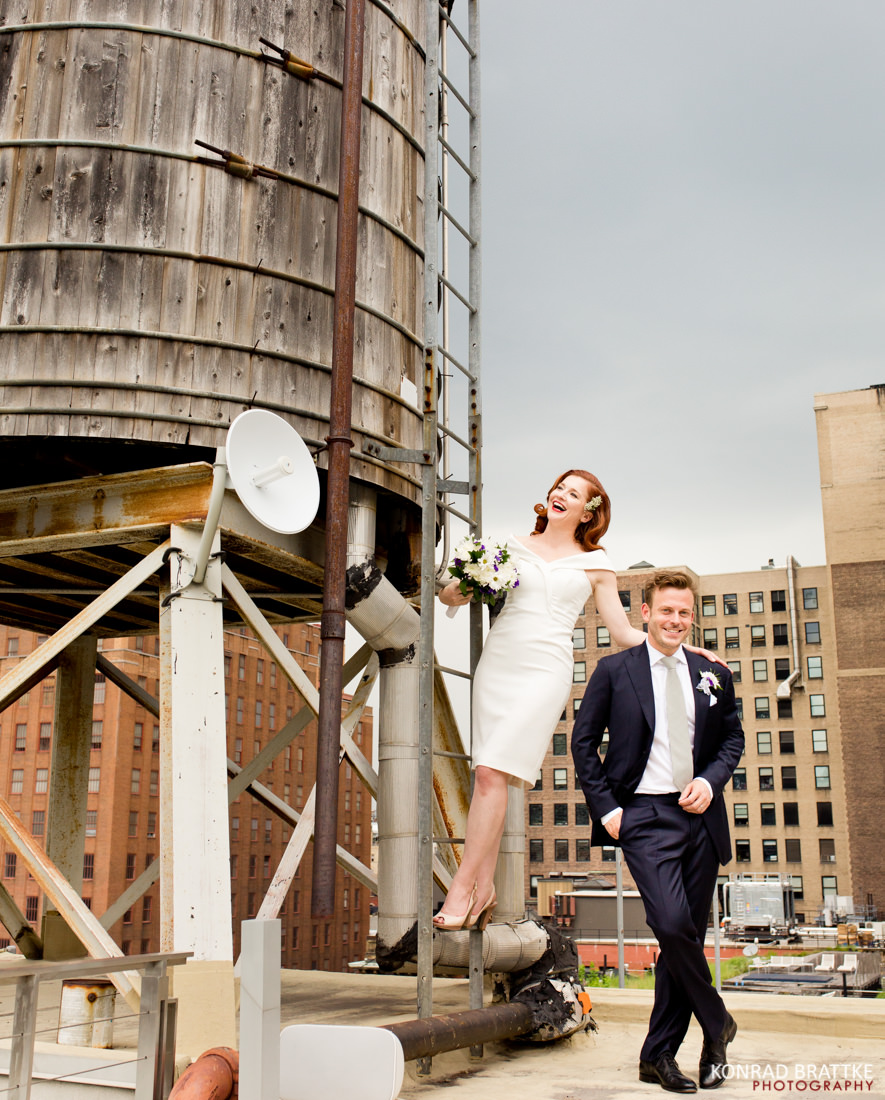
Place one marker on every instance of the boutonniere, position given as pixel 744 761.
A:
pixel 708 683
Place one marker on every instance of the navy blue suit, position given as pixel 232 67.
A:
pixel 673 856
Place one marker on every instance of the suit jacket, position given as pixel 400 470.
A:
pixel 620 699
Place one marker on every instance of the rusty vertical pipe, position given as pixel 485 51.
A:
pixel 337 484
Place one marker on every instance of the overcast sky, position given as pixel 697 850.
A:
pixel 683 242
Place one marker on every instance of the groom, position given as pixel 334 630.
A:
pixel 674 740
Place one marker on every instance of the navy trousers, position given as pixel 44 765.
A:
pixel 672 860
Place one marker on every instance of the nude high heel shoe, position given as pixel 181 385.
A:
pixel 447 923
pixel 480 918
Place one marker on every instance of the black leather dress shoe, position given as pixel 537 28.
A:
pixel 714 1057
pixel 663 1071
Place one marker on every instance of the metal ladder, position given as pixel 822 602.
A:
pixel 451 322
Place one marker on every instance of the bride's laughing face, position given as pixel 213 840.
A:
pixel 565 505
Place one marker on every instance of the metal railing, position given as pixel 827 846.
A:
pixel 155 1055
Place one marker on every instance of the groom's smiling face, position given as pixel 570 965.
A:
pixel 669 618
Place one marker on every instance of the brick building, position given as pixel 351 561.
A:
pixel 851 451
pixel 122 816
pixel 807 649
pixel 786 801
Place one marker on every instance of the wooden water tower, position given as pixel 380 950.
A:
pixel 168 199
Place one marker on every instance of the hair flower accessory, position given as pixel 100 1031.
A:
pixel 708 682
pixel 483 570
pixel 593 504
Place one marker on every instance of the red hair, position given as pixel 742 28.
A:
pixel 591 530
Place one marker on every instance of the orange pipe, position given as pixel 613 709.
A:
pixel 214 1076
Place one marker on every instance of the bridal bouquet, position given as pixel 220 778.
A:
pixel 483 570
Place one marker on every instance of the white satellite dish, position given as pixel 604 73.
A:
pixel 272 471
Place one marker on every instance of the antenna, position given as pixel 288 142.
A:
pixel 272 471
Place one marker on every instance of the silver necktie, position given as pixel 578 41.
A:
pixel 677 726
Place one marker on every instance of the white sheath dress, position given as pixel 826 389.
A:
pixel 524 675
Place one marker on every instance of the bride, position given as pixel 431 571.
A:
pixel 524 676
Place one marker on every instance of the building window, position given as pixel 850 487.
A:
pixel 827 848
pixel 763 707
pixel 781 669
pixel 560 813
pixel 828 885
pixel 778 599
pixel 560 779
pixel 146 906
pixel 582 850
pixel 818 706
pixel 809 599
pixel 735 669
pixel 94 781
pixel 582 813
pixel 45 736
pixel 603 638
pixel 787 741
pixel 603 747
pixel 742 851
pixel 711 637
pixel 791 813
pixel 576 706
pixel 815 668
pixel 819 741
pixel 560 744
pixel 730 604
pixel 536 813
pixel 760 670
pixel 12 647
pixel 539 782
pixel 240 711
pixel 769 851
pixel 16 784
pixel 779 635
pixel 536 851
pixel 38 822
pixel 766 779
pixel 133 823
pixel 579 638
pixel 99 689
pixel 155 783
pixel 9 865
pixel 708 606
pixel 757 604
pixel 768 814
pixel 788 778
pixel 88 865
pixel 739 779
pixel 560 851
pixel 739 707
pixel 96 735
pixel 41 781
pixel 130 866
pixel 241 667
pixel 624 597
pixel 32 909
pixel 822 777
pixel 763 743
pixel 812 633
pixel 741 813
pixel 732 637
pixel 155 740
pixel 91 822
pixel 785 708
pixel 793 850
pixel 757 636
pixel 21 737
pixel 825 813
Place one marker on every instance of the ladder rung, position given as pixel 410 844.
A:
pixel 452 755
pixel 454 671
pixel 448 840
